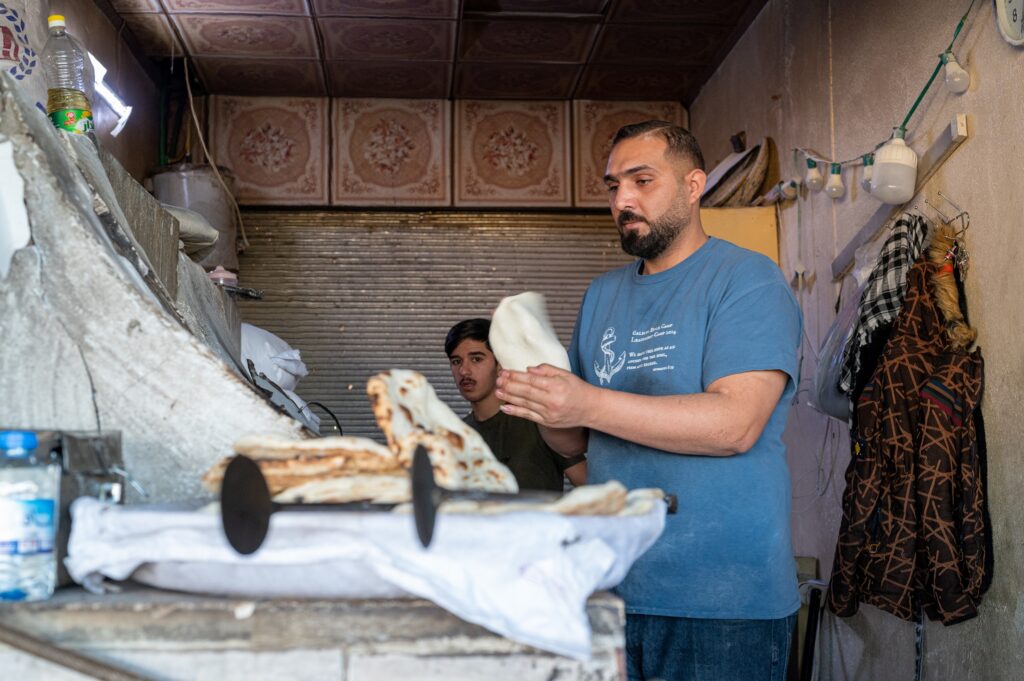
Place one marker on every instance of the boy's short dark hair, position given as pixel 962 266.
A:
pixel 474 329
pixel 681 143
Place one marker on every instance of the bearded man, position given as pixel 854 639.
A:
pixel 683 367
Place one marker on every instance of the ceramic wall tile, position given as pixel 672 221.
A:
pixel 276 148
pixel 217 35
pixel 130 6
pixel 262 77
pixel 155 34
pixel 365 39
pixel 429 9
pixel 594 125
pixel 239 6
pixel 390 79
pixel 512 153
pixel 391 152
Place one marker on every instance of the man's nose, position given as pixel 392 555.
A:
pixel 624 198
pixel 463 370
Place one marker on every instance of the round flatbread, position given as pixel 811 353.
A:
pixel 522 336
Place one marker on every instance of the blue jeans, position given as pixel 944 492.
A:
pixel 685 649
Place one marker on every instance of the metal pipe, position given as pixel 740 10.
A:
pixel 83 664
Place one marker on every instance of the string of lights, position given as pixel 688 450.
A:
pixel 890 168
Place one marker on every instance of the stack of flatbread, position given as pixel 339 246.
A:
pixel 409 412
pixel 330 469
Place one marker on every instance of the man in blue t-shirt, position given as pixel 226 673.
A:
pixel 683 366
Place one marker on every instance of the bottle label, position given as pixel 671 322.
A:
pixel 78 121
pixel 26 526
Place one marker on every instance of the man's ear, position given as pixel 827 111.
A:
pixel 696 180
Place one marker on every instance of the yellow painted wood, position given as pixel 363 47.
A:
pixel 753 228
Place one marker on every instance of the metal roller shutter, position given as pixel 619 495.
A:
pixel 358 293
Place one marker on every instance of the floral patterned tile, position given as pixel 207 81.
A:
pixel 429 9
pixel 535 41
pixel 275 147
pixel 594 125
pixel 479 80
pixel 391 152
pixel 154 33
pixel 262 76
pixel 366 39
pixel 389 79
pixel 239 6
pixel 133 6
pixel 511 153
pixel 247 36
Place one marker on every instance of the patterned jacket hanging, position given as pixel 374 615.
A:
pixel 913 531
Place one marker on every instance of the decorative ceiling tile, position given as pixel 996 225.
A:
pixel 154 34
pixel 682 11
pixel 394 79
pixel 628 43
pixel 511 153
pixel 541 41
pixel 547 6
pixel 275 147
pixel 391 152
pixel 247 36
pixel 515 81
pixel 639 82
pixel 295 77
pixel 428 9
pixel 366 39
pixel 594 125
pixel 254 7
pixel 136 6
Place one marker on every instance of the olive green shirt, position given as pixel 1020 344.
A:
pixel 518 444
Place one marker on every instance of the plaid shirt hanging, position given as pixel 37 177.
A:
pixel 883 296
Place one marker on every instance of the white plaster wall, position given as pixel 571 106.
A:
pixel 835 77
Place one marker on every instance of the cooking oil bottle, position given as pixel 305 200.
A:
pixel 69 80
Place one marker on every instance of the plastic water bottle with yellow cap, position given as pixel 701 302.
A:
pixel 69 80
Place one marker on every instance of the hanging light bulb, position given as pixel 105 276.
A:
pixel 813 180
pixel 869 168
pixel 834 187
pixel 957 78
pixel 790 188
pixel 895 175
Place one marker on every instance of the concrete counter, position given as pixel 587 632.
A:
pixel 170 635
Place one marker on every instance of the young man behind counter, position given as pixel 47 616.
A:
pixel 515 442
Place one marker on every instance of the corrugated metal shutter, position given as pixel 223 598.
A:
pixel 358 293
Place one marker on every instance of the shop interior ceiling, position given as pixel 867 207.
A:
pixel 442 49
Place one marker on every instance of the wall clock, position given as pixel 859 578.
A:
pixel 1010 18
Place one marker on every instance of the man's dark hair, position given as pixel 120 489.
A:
pixel 680 142
pixel 474 329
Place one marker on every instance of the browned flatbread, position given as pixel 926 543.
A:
pixel 377 488
pixel 410 414
pixel 287 463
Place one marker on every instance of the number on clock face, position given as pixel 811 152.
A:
pixel 1010 17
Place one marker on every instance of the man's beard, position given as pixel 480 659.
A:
pixel 659 237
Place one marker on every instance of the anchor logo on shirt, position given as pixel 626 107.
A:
pixel 611 366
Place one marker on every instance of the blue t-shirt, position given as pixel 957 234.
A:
pixel 724 310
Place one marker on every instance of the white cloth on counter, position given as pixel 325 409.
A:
pixel 525 576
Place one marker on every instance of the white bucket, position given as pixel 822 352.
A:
pixel 196 187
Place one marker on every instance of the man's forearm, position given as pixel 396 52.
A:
pixel 727 420
pixel 566 441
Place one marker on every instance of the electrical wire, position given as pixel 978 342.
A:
pixel 859 159
pixel 212 160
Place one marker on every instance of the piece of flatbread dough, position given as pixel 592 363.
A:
pixel 287 463
pixel 379 488
pixel 609 498
pixel 409 412
pixel 522 336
